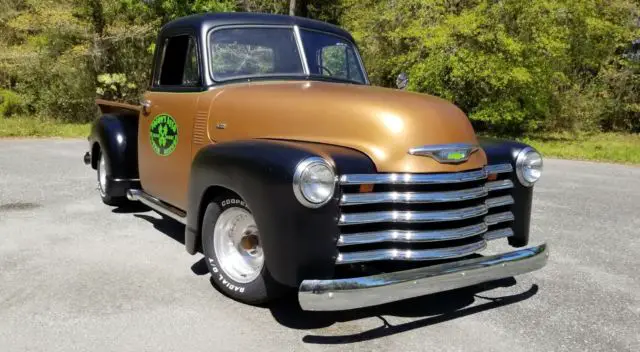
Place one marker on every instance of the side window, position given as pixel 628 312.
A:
pixel 339 61
pixel 191 76
pixel 180 62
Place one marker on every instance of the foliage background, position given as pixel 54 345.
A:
pixel 515 66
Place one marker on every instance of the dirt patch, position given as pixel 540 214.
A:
pixel 18 206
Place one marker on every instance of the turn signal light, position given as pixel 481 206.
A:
pixel 365 188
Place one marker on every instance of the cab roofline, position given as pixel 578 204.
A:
pixel 207 21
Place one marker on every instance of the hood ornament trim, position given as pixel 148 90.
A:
pixel 455 153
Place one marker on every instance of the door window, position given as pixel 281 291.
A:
pixel 179 65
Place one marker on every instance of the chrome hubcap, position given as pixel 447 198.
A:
pixel 102 175
pixel 236 241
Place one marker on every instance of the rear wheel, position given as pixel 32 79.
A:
pixel 232 246
pixel 103 185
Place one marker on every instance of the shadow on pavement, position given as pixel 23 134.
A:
pixel 167 226
pixel 200 267
pixel 130 208
pixel 436 308
pixel 433 309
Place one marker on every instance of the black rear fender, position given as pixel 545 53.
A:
pixel 117 138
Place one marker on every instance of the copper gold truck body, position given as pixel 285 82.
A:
pixel 291 172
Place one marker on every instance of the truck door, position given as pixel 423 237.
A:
pixel 166 123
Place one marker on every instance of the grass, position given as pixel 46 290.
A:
pixel 609 147
pixel 38 127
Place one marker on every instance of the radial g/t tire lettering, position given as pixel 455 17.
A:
pixel 233 253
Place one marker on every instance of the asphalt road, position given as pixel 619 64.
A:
pixel 76 275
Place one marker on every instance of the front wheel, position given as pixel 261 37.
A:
pixel 232 246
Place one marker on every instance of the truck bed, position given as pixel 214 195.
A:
pixel 110 107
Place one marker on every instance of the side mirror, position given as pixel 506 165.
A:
pixel 402 81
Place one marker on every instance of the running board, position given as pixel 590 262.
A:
pixel 157 205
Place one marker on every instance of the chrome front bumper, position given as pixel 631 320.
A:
pixel 343 294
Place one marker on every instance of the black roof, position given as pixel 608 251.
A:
pixel 207 21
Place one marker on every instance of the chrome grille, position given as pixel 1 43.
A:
pixel 418 217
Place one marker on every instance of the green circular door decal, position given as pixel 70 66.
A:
pixel 164 134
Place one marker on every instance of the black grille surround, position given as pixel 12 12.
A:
pixel 407 219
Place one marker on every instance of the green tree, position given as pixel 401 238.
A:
pixel 46 58
pixel 513 65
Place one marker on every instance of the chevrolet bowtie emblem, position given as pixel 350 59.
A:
pixel 446 153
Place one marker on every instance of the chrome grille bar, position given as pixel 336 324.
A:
pixel 500 233
pixel 424 179
pixel 412 216
pixel 411 236
pixel 423 216
pixel 411 255
pixel 498 185
pixel 498 218
pixel 381 239
pixel 498 168
pixel 423 197
pixel 412 197
pixel 499 201
pixel 412 179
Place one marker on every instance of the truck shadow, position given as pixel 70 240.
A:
pixel 167 226
pixel 435 309
pixel 430 310
pixel 131 208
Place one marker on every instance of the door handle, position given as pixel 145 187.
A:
pixel 146 107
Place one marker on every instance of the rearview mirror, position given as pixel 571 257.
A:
pixel 402 81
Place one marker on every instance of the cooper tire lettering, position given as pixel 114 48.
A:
pixel 233 201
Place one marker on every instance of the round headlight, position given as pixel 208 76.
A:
pixel 314 182
pixel 528 166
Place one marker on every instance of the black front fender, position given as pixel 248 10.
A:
pixel 500 151
pixel 299 242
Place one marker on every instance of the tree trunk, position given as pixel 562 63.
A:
pixel 97 17
pixel 292 7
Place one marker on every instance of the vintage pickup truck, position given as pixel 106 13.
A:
pixel 262 134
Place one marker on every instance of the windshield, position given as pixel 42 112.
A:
pixel 331 56
pixel 243 53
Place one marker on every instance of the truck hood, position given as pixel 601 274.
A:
pixel 381 123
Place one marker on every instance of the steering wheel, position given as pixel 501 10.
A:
pixel 326 69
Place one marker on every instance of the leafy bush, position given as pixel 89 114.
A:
pixel 10 103
pixel 115 86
